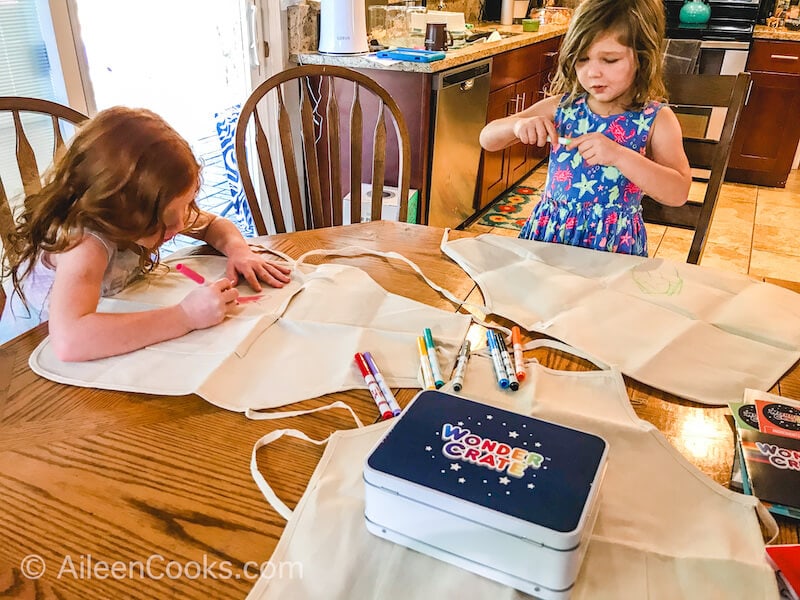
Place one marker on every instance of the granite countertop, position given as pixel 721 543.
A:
pixel 762 32
pixel 454 58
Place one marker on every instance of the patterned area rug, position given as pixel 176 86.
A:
pixel 512 209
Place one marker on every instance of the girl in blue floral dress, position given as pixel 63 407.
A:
pixel 612 139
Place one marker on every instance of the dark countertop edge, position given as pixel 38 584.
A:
pixel 762 32
pixel 454 58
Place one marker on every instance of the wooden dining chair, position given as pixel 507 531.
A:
pixel 693 95
pixel 29 131
pixel 337 109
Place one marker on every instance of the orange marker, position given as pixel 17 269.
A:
pixel 519 365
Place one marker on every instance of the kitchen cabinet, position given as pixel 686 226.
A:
pixel 518 81
pixel 519 73
pixel 767 133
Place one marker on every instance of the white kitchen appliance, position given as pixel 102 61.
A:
pixel 343 27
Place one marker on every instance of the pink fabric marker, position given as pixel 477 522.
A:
pixel 190 273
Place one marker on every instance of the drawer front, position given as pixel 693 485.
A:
pixel 774 57
pixel 549 56
pixel 510 67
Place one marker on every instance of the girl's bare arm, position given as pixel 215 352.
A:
pixel 530 126
pixel 78 332
pixel 665 175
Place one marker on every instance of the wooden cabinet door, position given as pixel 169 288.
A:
pixel 766 135
pixel 524 157
pixel 494 180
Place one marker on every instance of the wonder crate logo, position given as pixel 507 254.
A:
pixel 462 444
pixel 781 458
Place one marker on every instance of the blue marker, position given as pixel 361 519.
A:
pixel 437 371
pixel 509 367
pixel 497 360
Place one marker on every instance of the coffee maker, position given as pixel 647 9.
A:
pixel 343 27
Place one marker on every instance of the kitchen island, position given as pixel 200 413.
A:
pixel 513 39
pixel 521 67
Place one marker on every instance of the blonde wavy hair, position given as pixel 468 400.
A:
pixel 637 24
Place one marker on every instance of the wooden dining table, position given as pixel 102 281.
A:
pixel 107 494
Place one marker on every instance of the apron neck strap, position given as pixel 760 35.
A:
pixel 556 345
pixel 266 489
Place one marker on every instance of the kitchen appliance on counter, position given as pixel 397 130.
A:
pixel 343 27
pixel 460 100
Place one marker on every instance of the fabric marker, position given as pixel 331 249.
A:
pixel 425 363
pixel 497 361
pixel 431 347
pixel 562 141
pixel 519 363
pixel 380 401
pixel 190 273
pixel 197 278
pixel 461 366
pixel 512 379
pixel 387 393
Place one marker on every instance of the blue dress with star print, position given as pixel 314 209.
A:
pixel 592 206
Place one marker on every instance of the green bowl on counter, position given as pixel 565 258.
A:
pixel 529 25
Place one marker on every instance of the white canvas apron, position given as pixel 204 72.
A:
pixel 664 530
pixel 695 332
pixel 293 344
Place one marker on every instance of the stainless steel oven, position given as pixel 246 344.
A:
pixel 731 21
pixel 724 46
pixel 722 57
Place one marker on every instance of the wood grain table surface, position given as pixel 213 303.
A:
pixel 122 495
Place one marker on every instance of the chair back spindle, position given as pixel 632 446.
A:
pixel 27 167
pixel 333 155
pixel 703 92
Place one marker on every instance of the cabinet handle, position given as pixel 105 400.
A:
pixel 523 100
pixel 749 89
pixel 783 57
pixel 515 102
pixel 551 54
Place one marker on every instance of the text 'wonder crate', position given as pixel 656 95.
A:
pixel 509 497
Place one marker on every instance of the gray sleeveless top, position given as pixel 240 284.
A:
pixel 122 268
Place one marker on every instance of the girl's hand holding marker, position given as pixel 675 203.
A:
pixel 207 305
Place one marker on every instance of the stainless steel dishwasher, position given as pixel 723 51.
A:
pixel 460 101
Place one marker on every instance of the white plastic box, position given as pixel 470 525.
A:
pixel 391 204
pixel 500 494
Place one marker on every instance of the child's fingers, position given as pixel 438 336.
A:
pixel 273 277
pixel 551 130
pixel 283 268
pixel 251 276
pixel 278 271
pixel 231 273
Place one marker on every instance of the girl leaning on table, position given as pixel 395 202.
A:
pixel 612 139
pixel 126 184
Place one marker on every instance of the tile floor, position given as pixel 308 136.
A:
pixel 755 230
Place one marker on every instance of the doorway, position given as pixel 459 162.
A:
pixel 191 61
pixel 187 60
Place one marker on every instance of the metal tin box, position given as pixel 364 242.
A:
pixel 504 495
